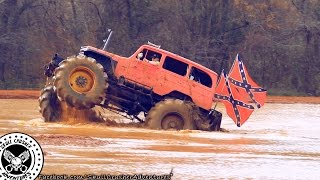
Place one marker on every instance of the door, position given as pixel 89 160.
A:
pixel 144 69
pixel 201 87
pixel 172 77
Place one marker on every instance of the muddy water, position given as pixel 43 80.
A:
pixel 280 141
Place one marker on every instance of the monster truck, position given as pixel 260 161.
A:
pixel 174 93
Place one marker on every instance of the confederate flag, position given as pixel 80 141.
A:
pixel 237 106
pixel 243 83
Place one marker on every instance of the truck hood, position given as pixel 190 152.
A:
pixel 100 51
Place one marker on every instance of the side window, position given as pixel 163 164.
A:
pixel 142 54
pixel 200 77
pixel 175 66
pixel 150 56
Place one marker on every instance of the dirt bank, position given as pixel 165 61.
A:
pixel 19 94
pixel 291 100
pixel 34 94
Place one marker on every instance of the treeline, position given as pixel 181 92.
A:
pixel 278 40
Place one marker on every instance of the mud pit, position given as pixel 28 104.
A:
pixel 280 141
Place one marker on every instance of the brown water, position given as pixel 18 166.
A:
pixel 279 141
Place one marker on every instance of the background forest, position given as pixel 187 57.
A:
pixel 279 40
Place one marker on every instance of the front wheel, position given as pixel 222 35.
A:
pixel 170 114
pixel 80 82
pixel 49 105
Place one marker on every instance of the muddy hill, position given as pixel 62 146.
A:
pixel 278 40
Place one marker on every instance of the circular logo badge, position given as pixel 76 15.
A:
pixel 21 157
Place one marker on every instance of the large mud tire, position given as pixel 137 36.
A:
pixel 50 106
pixel 170 114
pixel 80 82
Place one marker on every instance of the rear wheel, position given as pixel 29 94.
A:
pixel 80 82
pixel 170 114
pixel 50 106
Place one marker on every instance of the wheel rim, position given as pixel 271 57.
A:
pixel 172 121
pixel 81 79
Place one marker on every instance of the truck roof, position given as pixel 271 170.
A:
pixel 162 51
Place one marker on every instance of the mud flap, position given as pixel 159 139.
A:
pixel 216 120
pixel 207 122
